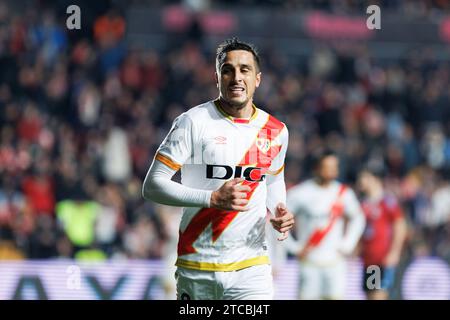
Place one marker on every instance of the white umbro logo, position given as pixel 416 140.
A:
pixel 220 140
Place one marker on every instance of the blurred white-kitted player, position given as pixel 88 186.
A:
pixel 329 223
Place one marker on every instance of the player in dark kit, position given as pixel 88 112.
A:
pixel 384 235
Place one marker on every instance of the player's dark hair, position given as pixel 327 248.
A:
pixel 235 44
pixel 376 171
pixel 317 157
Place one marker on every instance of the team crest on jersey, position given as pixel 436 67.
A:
pixel 263 144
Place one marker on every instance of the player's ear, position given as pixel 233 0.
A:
pixel 258 79
pixel 216 76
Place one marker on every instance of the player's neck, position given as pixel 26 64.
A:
pixel 323 182
pixel 244 112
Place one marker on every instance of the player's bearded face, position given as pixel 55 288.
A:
pixel 238 78
pixel 365 180
pixel 329 168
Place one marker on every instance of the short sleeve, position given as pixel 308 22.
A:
pixel 176 148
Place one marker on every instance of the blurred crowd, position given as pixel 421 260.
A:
pixel 81 118
pixel 412 8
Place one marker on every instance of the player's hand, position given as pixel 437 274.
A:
pixel 232 196
pixel 303 253
pixel 283 221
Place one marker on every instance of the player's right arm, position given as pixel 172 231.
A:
pixel 356 223
pixel 173 152
pixel 159 188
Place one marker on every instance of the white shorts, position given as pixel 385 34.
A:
pixel 322 281
pixel 252 283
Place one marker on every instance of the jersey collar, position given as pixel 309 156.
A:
pixel 233 119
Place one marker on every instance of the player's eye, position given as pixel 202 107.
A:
pixel 226 70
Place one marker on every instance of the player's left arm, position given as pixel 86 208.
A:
pixel 356 222
pixel 282 220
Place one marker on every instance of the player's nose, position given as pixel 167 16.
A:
pixel 237 76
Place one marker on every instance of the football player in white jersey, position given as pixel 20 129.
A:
pixel 231 155
pixel 322 206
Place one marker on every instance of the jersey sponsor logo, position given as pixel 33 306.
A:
pixel 224 172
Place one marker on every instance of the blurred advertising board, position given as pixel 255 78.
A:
pixel 422 278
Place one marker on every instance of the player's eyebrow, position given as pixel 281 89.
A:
pixel 246 66
pixel 226 65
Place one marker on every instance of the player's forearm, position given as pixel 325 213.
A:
pixel 159 188
pixel 276 192
pixel 353 233
pixel 398 236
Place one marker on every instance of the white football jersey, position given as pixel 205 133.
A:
pixel 311 204
pixel 211 147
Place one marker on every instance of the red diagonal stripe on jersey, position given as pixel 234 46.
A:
pixel 221 219
pixel 254 154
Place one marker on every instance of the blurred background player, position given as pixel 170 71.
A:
pixel 385 232
pixel 329 223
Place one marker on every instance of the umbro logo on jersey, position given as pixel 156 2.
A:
pixel 220 140
pixel 263 144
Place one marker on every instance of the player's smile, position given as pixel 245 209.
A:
pixel 236 91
